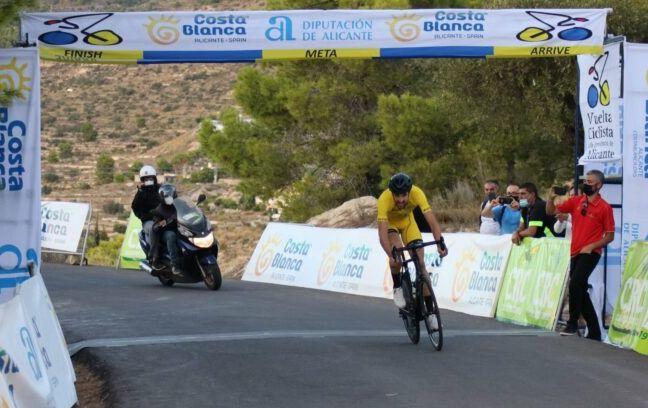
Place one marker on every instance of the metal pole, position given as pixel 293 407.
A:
pixel 85 239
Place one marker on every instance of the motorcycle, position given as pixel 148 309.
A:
pixel 198 249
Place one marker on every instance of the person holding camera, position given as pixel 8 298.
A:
pixel 593 229
pixel 533 214
pixel 505 210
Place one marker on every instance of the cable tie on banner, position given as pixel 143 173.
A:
pixel 24 44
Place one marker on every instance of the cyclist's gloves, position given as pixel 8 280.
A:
pixel 442 244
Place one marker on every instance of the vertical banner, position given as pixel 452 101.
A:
pixel 629 326
pixel 20 186
pixel 534 282
pixel 635 145
pixel 599 92
pixel 131 252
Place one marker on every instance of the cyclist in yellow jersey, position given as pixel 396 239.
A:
pixel 396 225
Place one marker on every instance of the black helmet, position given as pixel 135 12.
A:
pixel 167 191
pixel 400 183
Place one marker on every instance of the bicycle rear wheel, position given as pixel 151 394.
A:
pixel 409 313
pixel 435 334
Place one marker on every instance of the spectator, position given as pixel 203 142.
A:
pixel 593 228
pixel 534 216
pixel 505 210
pixel 487 225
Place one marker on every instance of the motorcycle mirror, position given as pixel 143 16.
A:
pixel 201 198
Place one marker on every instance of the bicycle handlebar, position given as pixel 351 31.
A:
pixel 418 244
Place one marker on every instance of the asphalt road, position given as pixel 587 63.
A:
pixel 257 345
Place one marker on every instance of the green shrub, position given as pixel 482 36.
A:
pixel 205 175
pixel 65 150
pixel 140 122
pixel 46 190
pixel 105 169
pixel 119 228
pixel 226 203
pixel 119 178
pixel 88 132
pixel 106 252
pixel 52 156
pixel 163 165
pixel 51 177
pixel 84 186
pixel 112 207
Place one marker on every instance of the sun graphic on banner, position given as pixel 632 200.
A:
pixel 405 28
pixel 462 269
pixel 163 31
pixel 13 78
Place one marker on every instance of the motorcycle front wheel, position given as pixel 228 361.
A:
pixel 211 276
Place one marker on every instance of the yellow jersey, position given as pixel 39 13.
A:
pixel 387 210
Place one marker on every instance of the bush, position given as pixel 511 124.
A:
pixel 65 150
pixel 84 186
pixel 163 165
pixel 106 252
pixel 46 190
pixel 112 207
pixel 140 122
pixel 119 178
pixel 88 132
pixel 205 175
pixel 51 177
pixel 73 172
pixel 52 156
pixel 226 203
pixel 119 228
pixel 105 169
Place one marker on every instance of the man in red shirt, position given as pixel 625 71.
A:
pixel 593 229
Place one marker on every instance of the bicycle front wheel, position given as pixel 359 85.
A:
pixel 409 313
pixel 433 319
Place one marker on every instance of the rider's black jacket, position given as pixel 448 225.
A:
pixel 167 213
pixel 146 199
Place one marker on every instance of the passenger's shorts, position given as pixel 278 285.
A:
pixel 407 228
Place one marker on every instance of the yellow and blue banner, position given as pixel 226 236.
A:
pixel 247 36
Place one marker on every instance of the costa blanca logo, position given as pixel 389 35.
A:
pixel 14 79
pixel 268 249
pixel 163 30
pixel 463 268
pixel 599 91
pixel 405 28
pixel 327 267
pixel 70 27
pixel 552 22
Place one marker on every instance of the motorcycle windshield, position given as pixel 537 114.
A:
pixel 189 215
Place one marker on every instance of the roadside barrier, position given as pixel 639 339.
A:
pixel 35 366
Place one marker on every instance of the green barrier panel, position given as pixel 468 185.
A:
pixel 131 253
pixel 629 326
pixel 534 282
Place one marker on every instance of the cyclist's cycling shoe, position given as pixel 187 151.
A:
pixel 432 322
pixel 399 300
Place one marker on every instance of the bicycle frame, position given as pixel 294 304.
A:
pixel 417 285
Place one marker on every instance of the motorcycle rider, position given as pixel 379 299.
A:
pixel 147 199
pixel 165 217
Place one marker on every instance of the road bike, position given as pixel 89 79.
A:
pixel 416 308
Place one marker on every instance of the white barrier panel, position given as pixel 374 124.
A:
pixel 35 367
pixel 62 224
pixel 352 261
pixel 20 174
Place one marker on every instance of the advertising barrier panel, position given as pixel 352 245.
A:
pixel 534 282
pixel 629 326
pixel 62 224
pixel 599 90
pixel 230 36
pixel 352 261
pixel 20 186
pixel 36 366
pixel 131 252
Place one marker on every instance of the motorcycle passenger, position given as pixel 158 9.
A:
pixel 165 217
pixel 147 199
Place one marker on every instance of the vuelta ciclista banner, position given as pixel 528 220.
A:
pixel 533 285
pixel 35 366
pixel 352 261
pixel 131 252
pixel 635 144
pixel 600 93
pixel 20 187
pixel 629 326
pixel 236 36
pixel 62 224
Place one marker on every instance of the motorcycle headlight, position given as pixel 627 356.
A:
pixel 204 242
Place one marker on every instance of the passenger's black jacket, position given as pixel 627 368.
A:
pixel 167 213
pixel 146 199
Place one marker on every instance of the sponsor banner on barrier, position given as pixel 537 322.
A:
pixel 635 144
pixel 534 281
pixel 131 252
pixel 222 36
pixel 352 261
pixel 20 185
pixel 62 224
pixel 36 367
pixel 599 89
pixel 629 326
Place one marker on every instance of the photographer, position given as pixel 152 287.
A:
pixel 593 229
pixel 534 216
pixel 505 210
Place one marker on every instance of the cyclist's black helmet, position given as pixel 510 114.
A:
pixel 400 183
pixel 167 190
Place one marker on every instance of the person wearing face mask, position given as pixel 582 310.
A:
pixel 505 210
pixel 145 200
pixel 592 229
pixel 533 222
pixel 165 217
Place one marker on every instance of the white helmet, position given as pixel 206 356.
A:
pixel 147 171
